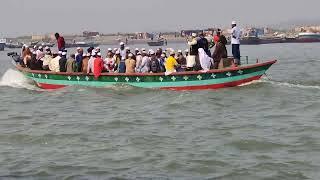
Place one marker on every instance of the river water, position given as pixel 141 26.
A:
pixel 268 130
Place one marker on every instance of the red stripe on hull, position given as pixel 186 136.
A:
pixel 50 86
pixel 214 86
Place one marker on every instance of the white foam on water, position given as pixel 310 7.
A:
pixel 15 79
pixel 250 83
pixel 290 85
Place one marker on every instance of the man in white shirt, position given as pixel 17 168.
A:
pixel 90 68
pixel 235 42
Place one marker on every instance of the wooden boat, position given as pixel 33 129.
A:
pixel 195 80
pixel 156 43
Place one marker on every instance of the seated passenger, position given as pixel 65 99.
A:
pixel 63 62
pixel 46 60
pixel 109 62
pixel 205 61
pixel 54 63
pixel 220 51
pixel 117 59
pixel 85 61
pixel 181 60
pixel 71 64
pixel 145 64
pixel 79 58
pixel 26 56
pixel 154 63
pixel 171 63
pixel 90 68
pixel 162 61
pixel 138 60
pixel 98 66
pixel 130 64
pixel 40 54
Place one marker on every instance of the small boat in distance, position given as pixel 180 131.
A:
pixel 2 44
pixel 193 80
pixel 156 43
pixel 81 44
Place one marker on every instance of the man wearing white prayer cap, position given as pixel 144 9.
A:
pixel 193 52
pixel 235 42
pixel 63 62
pixel 123 52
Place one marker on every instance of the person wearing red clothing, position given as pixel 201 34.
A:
pixel 98 66
pixel 60 41
pixel 217 36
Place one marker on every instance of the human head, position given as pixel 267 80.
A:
pixel 136 51
pixel 187 52
pixel 73 56
pixel 152 53
pixel 179 52
pixel 201 34
pixel 130 55
pixel 57 35
pixel 122 45
pixel 109 54
pixel 64 54
pixel 172 53
pixel 98 49
pixel 218 32
pixel 233 24
pixel 194 35
pixel 99 54
pixel 127 49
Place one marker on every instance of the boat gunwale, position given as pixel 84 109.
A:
pixel 270 62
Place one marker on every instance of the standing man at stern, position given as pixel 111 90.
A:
pixel 235 42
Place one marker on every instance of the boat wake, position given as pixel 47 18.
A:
pixel 283 84
pixel 15 79
pixel 290 85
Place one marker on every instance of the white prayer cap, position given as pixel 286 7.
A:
pixel 40 47
pixel 193 34
pixel 137 49
pixel 78 48
pixel 151 52
pixel 97 48
pixel 34 52
pixel 99 54
pixel 163 55
pixel 109 49
pixel 35 46
pixel 172 52
pixel 46 48
pixel 144 52
pixel 179 51
pixel 233 22
pixel 130 55
pixel 60 52
pixel 115 49
pixel 127 48
pixel 122 43
pixel 64 53
pixel 143 49
pixel 117 52
pixel 187 50
pixel 139 53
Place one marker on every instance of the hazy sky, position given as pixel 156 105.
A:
pixel 22 17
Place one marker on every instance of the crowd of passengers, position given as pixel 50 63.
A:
pixel 124 60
